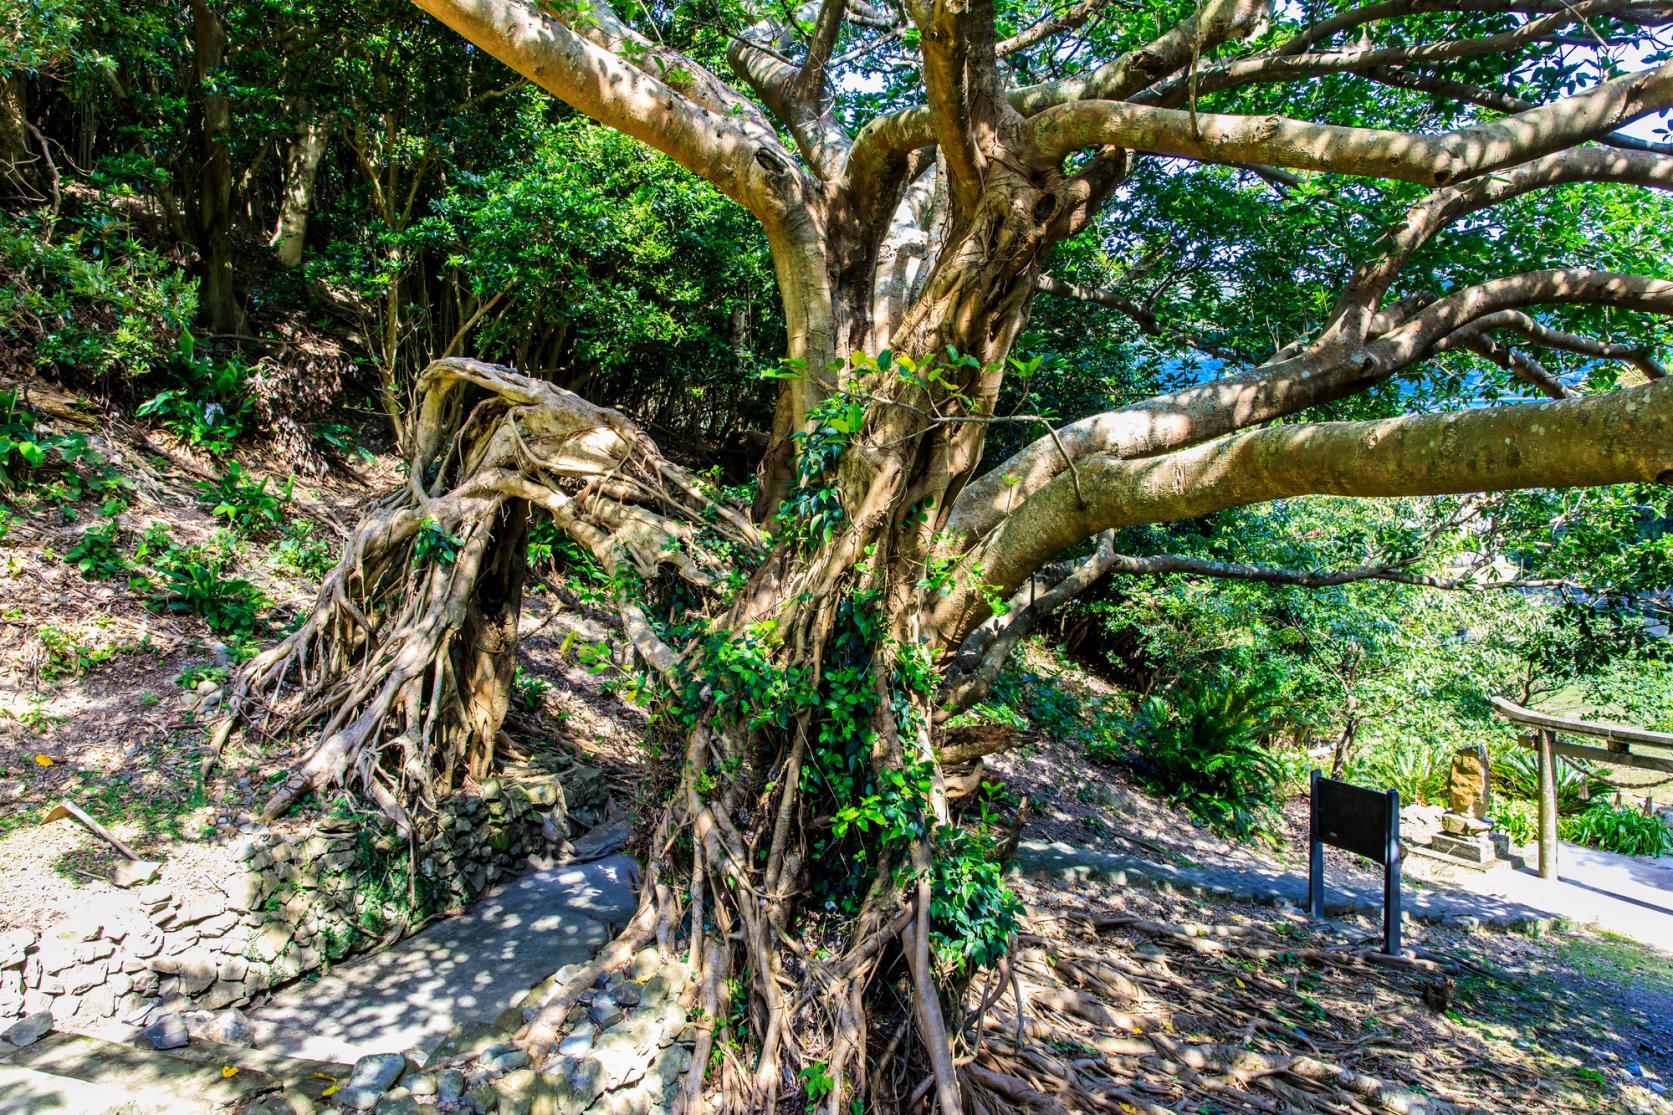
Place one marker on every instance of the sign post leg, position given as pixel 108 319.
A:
pixel 1315 851
pixel 1547 806
pixel 1391 879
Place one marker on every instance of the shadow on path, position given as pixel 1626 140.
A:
pixel 465 969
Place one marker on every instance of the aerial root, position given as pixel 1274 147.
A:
pixel 402 667
pixel 1081 1023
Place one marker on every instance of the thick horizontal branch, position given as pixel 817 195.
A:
pixel 718 147
pixel 1641 357
pixel 1623 436
pixel 1449 89
pixel 1373 152
pixel 1195 414
pixel 1162 565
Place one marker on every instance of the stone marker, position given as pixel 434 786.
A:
pixel 1465 828
pixel 1470 791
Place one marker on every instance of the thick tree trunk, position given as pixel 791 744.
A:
pixel 217 300
pixel 14 126
pixel 313 135
pixel 485 660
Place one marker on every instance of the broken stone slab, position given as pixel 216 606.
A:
pixel 130 873
pixel 1473 849
pixel 14 943
pixel 29 1030
pixel 167 1032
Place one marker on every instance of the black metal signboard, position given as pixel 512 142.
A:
pixel 1359 820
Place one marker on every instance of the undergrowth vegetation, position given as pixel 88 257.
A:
pixel 1206 747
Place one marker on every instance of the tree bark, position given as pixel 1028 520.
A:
pixel 14 123
pixel 218 300
pixel 313 135
pixel 485 659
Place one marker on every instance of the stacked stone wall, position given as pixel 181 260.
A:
pixel 296 903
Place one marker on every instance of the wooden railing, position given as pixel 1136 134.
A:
pixel 1541 733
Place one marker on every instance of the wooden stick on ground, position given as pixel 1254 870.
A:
pixel 71 809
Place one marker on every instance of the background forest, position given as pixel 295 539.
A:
pixel 249 226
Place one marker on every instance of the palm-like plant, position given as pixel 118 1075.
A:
pixel 1203 745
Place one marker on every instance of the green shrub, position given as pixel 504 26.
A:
pixel 64 655
pixel 301 553
pixel 1517 818
pixel 434 544
pixel 1518 775
pixel 973 913
pixel 85 297
pixel 339 437
pixel 529 690
pixel 1203 746
pixel 1617 829
pixel 1600 825
pixel 1417 768
pixel 193 580
pixel 28 451
pixel 244 501
pixel 97 553
pixel 207 403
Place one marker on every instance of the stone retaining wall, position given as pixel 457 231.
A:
pixel 298 903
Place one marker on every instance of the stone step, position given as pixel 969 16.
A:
pixel 298 1076
pixel 88 1076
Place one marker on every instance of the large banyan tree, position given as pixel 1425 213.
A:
pixel 913 166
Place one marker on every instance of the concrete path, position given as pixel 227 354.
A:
pixel 1628 895
pixel 465 969
pixel 1623 894
pixel 1269 885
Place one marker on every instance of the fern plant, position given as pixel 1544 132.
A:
pixel 1518 776
pixel 1203 746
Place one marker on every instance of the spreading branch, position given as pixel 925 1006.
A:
pixel 1370 152
pixel 1623 436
